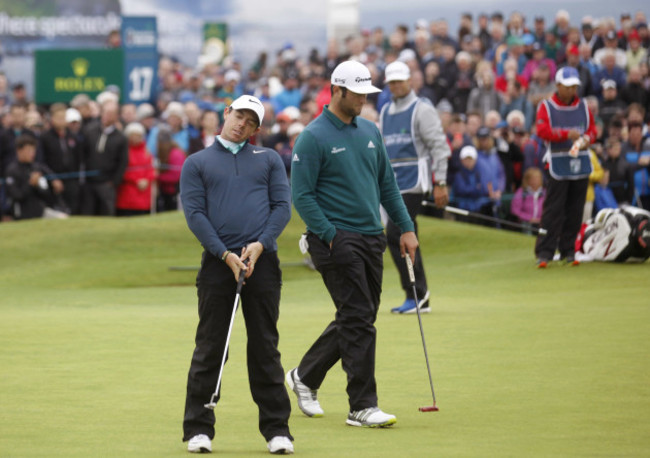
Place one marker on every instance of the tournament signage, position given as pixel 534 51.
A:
pixel 62 74
pixel 215 39
pixel 140 44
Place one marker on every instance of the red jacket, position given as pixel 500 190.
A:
pixel 543 124
pixel 501 83
pixel 129 196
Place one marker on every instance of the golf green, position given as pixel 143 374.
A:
pixel 96 335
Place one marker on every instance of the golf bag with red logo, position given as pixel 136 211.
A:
pixel 617 235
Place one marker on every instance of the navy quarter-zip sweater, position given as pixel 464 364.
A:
pixel 231 200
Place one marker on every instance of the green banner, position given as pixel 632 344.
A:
pixel 61 74
pixel 215 40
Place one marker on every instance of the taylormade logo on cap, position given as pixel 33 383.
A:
pixel 354 76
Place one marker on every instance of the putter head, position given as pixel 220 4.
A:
pixel 212 404
pixel 429 409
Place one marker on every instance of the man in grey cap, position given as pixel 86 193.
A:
pixel 340 176
pixel 417 146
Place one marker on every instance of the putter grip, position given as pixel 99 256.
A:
pixel 409 266
pixel 240 281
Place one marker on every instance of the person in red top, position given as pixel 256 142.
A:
pixel 510 73
pixel 567 126
pixel 134 192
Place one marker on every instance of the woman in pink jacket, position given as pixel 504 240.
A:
pixel 528 200
pixel 170 162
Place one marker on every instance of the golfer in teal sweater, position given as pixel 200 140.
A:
pixel 340 175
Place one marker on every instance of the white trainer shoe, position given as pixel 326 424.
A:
pixel 307 400
pixel 280 445
pixel 199 444
pixel 372 417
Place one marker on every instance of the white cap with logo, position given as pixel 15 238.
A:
pixel 353 76
pixel 397 71
pixel 248 102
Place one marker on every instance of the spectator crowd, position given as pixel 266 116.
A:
pixel 100 157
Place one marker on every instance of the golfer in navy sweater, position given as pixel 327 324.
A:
pixel 237 201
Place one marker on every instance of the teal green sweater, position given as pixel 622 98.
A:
pixel 340 173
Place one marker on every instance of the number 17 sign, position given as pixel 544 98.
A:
pixel 140 44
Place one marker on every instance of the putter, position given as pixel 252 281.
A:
pixel 213 400
pixel 409 265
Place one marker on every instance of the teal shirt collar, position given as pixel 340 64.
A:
pixel 233 147
pixel 335 119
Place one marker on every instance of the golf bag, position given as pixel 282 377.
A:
pixel 617 235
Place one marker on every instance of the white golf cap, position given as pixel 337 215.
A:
pixel 468 151
pixel 72 115
pixel 353 76
pixel 248 102
pixel 567 76
pixel 397 71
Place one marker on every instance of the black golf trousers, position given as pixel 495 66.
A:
pixel 260 296
pixel 352 271
pixel 561 217
pixel 413 204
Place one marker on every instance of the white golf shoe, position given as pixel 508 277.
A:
pixel 372 417
pixel 280 445
pixel 307 400
pixel 199 444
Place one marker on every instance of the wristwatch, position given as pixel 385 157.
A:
pixel 441 183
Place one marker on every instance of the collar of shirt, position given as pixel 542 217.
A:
pixel 233 147
pixel 402 103
pixel 335 119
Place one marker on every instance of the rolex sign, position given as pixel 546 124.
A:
pixel 62 74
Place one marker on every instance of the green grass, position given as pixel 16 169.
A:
pixel 96 335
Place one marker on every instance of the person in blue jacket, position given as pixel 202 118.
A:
pixel 469 188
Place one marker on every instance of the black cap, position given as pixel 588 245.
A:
pixel 483 132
